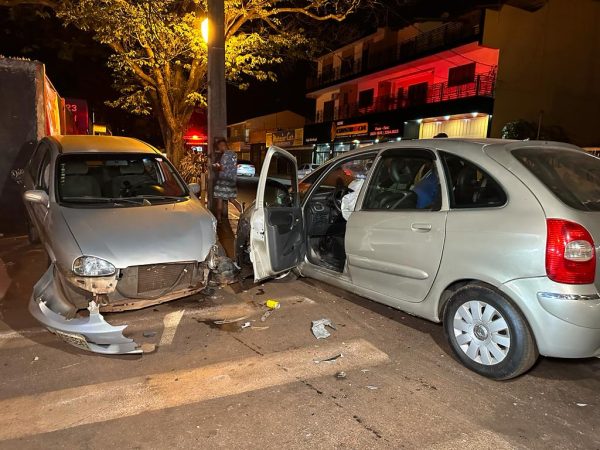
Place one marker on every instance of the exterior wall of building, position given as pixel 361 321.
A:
pixel 549 67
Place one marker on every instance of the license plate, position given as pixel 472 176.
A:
pixel 76 340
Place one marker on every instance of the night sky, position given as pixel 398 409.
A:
pixel 76 64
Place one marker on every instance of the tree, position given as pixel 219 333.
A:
pixel 159 58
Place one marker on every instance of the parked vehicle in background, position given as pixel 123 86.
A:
pixel 122 231
pixel 305 169
pixel 496 239
pixel 245 168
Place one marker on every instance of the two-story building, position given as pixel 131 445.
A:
pixel 465 77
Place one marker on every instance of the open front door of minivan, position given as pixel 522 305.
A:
pixel 277 241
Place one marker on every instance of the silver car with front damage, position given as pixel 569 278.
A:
pixel 496 239
pixel 122 231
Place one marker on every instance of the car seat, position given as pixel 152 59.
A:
pixel 131 176
pixel 77 181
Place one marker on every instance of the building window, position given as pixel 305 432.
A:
pixel 417 93
pixel 365 98
pixel 328 111
pixel 461 75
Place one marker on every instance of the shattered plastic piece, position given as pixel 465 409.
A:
pixel 372 387
pixel 36 358
pixel 224 321
pixel 266 315
pixel 340 375
pixel 246 325
pixel 272 304
pixel 582 404
pixel 330 359
pixel 148 334
pixel 318 328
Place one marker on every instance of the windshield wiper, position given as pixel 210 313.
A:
pixel 157 197
pixel 132 200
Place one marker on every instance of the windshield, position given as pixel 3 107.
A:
pixel 574 177
pixel 117 180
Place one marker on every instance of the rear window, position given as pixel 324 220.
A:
pixel 574 177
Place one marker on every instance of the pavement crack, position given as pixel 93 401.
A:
pixel 258 352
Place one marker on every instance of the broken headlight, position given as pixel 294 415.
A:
pixel 90 266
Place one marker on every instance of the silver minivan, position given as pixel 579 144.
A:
pixel 496 239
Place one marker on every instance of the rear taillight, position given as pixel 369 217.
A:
pixel 570 253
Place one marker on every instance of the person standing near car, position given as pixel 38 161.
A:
pixel 225 177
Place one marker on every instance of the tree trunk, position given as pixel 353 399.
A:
pixel 174 144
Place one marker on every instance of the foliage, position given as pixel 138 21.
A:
pixel 191 167
pixel 523 130
pixel 160 59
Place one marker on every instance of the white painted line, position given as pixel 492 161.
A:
pixel 170 322
pixel 67 408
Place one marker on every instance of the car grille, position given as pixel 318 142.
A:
pixel 161 276
pixel 158 279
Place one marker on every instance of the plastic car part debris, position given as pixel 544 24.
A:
pixel 330 359
pixel 272 304
pixel 148 334
pixel 246 325
pixel 224 321
pixel 318 328
pixel 340 375
pixel 266 315
pixel 372 387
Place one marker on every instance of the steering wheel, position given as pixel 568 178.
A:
pixel 337 196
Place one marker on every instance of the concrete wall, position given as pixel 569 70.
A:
pixel 549 64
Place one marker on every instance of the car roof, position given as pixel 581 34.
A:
pixel 100 144
pixel 458 146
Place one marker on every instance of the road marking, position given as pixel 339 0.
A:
pixel 170 322
pixel 67 408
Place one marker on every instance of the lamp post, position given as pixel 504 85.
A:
pixel 213 32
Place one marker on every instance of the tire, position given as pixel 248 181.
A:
pixel 32 233
pixel 496 342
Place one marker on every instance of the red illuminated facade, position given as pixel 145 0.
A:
pixel 195 135
pixel 421 80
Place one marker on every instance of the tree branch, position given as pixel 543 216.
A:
pixel 47 3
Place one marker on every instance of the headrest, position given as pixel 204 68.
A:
pixel 76 168
pixel 134 168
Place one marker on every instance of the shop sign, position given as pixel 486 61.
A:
pixel 286 138
pixel 383 130
pixel 339 130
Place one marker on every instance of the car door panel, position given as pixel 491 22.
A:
pixel 394 247
pixel 388 255
pixel 276 225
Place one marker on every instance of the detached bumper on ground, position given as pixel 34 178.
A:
pixel 89 333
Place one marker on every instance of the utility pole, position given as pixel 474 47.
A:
pixel 217 106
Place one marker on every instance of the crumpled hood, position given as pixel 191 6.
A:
pixel 139 235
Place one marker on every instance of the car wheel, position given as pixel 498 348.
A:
pixel 32 233
pixel 488 334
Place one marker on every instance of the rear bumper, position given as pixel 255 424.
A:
pixel 565 319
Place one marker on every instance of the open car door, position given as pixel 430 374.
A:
pixel 276 227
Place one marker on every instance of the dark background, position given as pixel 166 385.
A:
pixel 76 63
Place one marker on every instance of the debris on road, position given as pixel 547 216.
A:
pixel 246 325
pixel 372 387
pixel 149 334
pixel 260 291
pixel 340 375
pixel 582 404
pixel 330 359
pixel 36 358
pixel 225 321
pixel 266 315
pixel 272 304
pixel 260 328
pixel 318 328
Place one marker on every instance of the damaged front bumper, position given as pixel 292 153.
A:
pixel 89 333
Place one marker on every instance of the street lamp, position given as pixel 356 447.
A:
pixel 204 29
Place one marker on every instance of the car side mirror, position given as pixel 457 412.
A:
pixel 194 188
pixel 37 196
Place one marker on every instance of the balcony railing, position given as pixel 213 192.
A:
pixel 482 86
pixel 445 36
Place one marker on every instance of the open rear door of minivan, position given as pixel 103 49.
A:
pixel 277 241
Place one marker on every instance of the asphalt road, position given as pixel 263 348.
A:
pixel 210 385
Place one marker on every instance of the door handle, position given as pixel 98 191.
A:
pixel 421 227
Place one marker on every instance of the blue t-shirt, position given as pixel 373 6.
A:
pixel 426 190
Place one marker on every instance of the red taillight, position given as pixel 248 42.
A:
pixel 570 254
